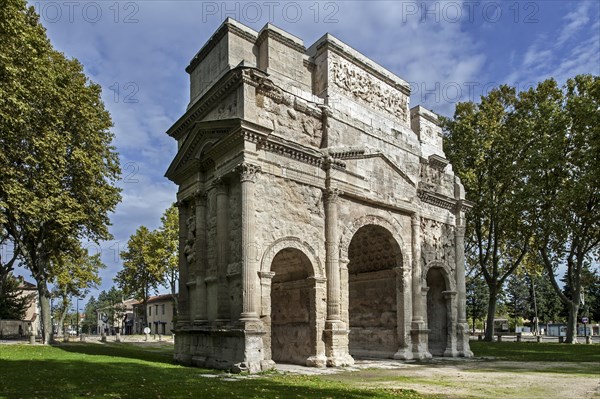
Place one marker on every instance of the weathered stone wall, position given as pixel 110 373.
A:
pixel 332 220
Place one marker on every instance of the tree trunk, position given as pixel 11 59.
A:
pixel 45 314
pixel 61 323
pixel 489 323
pixel 571 337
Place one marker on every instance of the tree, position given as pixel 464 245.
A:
pixel 140 274
pixel 7 257
pixel 59 168
pixel 477 298
pixel 165 250
pixel 486 155
pixel 593 301
pixel 89 324
pixel 111 304
pixel 13 304
pixel 75 274
pixel 564 173
pixel 518 297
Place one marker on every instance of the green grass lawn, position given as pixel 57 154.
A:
pixel 127 371
pixel 537 352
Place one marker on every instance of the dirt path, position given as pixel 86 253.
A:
pixel 474 378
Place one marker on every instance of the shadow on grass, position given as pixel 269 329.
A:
pixel 71 378
pixel 124 350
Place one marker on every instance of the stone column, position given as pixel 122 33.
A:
pixel 419 333
pixel 222 246
pixel 250 283
pixel 336 332
pixel 183 317
pixel 332 266
pixel 462 325
pixel 266 279
pixel 201 315
pixel 403 313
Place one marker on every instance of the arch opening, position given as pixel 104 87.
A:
pixel 292 309
pixel 437 313
pixel 373 255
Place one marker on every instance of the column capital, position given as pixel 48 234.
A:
pixel 248 172
pixel 219 184
pixel 200 197
pixel 415 219
pixel 331 194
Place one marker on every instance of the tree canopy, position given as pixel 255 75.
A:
pixel 59 168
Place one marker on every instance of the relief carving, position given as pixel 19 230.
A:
pixel 190 253
pixel 368 89
pixel 438 242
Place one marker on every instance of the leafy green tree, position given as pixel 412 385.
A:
pixel 486 155
pixel 165 250
pixel 75 274
pixel 59 167
pixel 111 304
pixel 593 301
pixel 564 174
pixel 140 275
pixel 89 325
pixel 13 304
pixel 518 297
pixel 477 298
pixel 9 253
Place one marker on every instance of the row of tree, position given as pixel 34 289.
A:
pixel 533 298
pixel 529 163
pixel 151 260
pixel 59 167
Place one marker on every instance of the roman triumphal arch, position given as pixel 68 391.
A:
pixel 320 220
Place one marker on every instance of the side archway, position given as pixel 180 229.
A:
pixel 440 307
pixel 290 285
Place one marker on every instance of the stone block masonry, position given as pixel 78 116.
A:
pixel 320 219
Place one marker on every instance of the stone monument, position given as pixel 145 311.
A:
pixel 319 218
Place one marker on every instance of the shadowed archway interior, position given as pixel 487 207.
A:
pixel 437 313
pixel 373 254
pixel 291 307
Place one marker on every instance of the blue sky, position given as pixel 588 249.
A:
pixel 449 51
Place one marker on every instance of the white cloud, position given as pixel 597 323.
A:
pixel 576 20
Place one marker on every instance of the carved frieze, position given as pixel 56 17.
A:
pixel 366 88
pixel 437 242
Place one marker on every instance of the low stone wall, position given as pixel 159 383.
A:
pixel 10 328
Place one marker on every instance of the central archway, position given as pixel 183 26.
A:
pixel 291 307
pixel 373 256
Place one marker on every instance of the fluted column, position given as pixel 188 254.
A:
pixel 332 255
pixel 417 299
pixel 250 293
pixel 222 195
pixel 419 334
pixel 183 316
pixel 201 261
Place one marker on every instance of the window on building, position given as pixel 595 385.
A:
pixel 149 310
pixel 163 325
pixel 163 308
pixel 156 309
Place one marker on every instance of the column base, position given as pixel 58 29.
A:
pixel 404 354
pixel 317 361
pixel 336 344
pixel 464 350
pixel 420 339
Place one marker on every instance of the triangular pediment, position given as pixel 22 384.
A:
pixel 200 134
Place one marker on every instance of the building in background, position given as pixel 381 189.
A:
pixel 122 318
pixel 161 309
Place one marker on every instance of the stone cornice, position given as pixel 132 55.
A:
pixel 438 162
pixel 227 27
pixel 436 199
pixel 273 34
